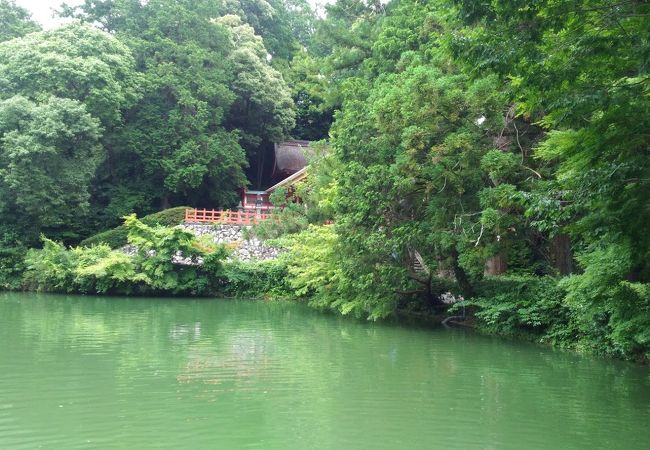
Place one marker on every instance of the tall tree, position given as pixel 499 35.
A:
pixel 15 21
pixel 209 92
pixel 48 154
pixel 77 64
pixel 429 159
pixel 284 25
pixel 263 110
pixel 580 69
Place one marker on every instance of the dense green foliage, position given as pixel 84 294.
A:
pixel 210 95
pixel 166 260
pixel 118 237
pixel 14 21
pixel 504 159
pixel 498 150
pixel 262 279
pixel 523 306
pixel 100 269
pixel 60 90
pixel 179 97
pixel 50 153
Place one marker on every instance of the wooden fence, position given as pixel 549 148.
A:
pixel 221 216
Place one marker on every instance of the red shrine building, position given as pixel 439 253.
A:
pixel 289 167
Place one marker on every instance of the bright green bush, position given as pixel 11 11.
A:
pixel 100 269
pixel 292 219
pixel 50 269
pixel 612 312
pixel 86 270
pixel 156 247
pixel 319 272
pixel 117 237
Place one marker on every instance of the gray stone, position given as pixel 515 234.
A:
pixel 244 249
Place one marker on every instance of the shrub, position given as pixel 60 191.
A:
pixel 599 310
pixel 50 269
pixel 100 269
pixel 257 279
pixel 524 306
pixel 612 312
pixel 291 219
pixel 318 271
pixel 117 237
pixel 12 255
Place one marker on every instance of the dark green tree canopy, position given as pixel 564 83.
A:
pixel 209 93
pixel 48 80
pixel 263 108
pixel 48 154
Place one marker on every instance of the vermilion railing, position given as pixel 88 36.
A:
pixel 221 216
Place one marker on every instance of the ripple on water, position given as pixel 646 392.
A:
pixel 159 373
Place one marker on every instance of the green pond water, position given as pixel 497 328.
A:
pixel 88 372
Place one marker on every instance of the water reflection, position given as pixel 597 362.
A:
pixel 148 373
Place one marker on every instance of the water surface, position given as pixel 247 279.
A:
pixel 88 372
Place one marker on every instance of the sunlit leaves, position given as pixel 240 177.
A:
pixel 75 62
pixel 15 21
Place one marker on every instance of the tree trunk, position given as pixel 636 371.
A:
pixel 461 277
pixel 260 165
pixel 164 202
pixel 496 265
pixel 561 254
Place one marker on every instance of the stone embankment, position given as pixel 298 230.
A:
pixel 233 236
pixel 244 248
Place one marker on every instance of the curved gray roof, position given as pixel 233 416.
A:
pixel 290 157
